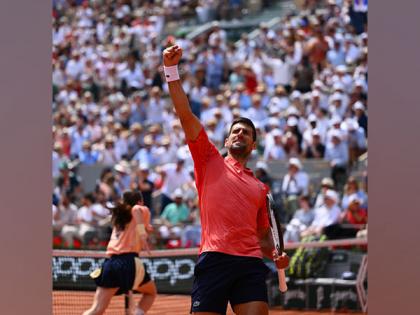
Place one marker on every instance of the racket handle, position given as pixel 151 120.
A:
pixel 282 280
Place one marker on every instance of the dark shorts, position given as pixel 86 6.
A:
pixel 119 271
pixel 220 278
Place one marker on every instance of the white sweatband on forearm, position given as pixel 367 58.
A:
pixel 171 73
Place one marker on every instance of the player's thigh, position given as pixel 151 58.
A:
pixel 148 288
pixel 251 308
pixel 250 288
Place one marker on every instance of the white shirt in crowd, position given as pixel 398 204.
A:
pixel 297 184
pixel 325 216
pixel 174 179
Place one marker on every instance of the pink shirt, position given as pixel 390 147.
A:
pixel 232 201
pixel 127 241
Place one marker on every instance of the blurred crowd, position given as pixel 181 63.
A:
pixel 303 82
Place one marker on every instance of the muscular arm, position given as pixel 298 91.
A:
pixel 266 242
pixel 190 123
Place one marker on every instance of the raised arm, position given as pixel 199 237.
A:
pixel 190 123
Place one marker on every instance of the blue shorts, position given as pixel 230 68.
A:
pixel 221 278
pixel 119 271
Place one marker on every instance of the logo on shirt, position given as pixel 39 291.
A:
pixel 196 304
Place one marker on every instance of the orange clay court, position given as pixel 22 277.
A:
pixel 69 303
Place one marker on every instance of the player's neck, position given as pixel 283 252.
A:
pixel 243 160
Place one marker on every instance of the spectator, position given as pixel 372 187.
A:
pixel 67 222
pixel 58 159
pixel 275 150
pixel 174 176
pixel 326 184
pixel 262 173
pixel 352 220
pixel 173 215
pixel 352 188
pixel 87 225
pixel 68 181
pixel 361 116
pixel 337 154
pixel 109 155
pixel 87 156
pixel 327 214
pixel 356 140
pixel 141 181
pixel 316 149
pixel 295 183
pixel 301 220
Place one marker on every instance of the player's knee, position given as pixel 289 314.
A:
pixel 152 289
pixel 97 310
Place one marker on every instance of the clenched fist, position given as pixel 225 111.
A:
pixel 172 55
pixel 282 261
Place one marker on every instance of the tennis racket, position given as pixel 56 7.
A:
pixel 275 228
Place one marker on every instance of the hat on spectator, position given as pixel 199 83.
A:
pixel 318 84
pixel 336 97
pixel 272 121
pixel 354 198
pixel 338 37
pixel 144 167
pixel 274 110
pixel 109 139
pixel 359 82
pixel 327 181
pixel 292 111
pixel 315 132
pixel 122 167
pixel 271 34
pixel 276 132
pixel 351 124
pixel 165 140
pixel 315 93
pixel 335 134
pixel 331 194
pixel 358 105
pixel 312 118
pixel 148 140
pixel 335 120
pixel 341 69
pixel 295 162
pixel 292 121
pixel 348 37
pixel 136 127
pixel 178 193
pixel 295 95
pixel 261 165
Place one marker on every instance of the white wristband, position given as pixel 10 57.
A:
pixel 171 73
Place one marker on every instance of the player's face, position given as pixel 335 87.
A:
pixel 240 141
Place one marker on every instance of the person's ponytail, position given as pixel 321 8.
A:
pixel 121 216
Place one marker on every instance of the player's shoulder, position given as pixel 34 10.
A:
pixel 263 187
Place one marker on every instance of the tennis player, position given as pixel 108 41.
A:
pixel 235 225
pixel 123 271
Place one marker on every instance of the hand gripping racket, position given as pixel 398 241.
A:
pixel 277 239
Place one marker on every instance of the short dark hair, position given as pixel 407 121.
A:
pixel 245 121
